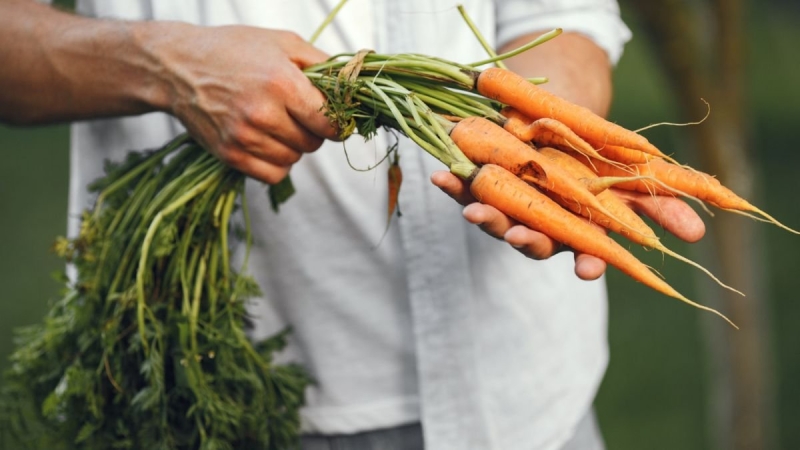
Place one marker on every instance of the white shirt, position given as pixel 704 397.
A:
pixel 440 323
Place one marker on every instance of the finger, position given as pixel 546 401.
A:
pixel 256 168
pixel 300 51
pixel 452 186
pixel 530 243
pixel 588 267
pixel 306 101
pixel 267 149
pixel 308 109
pixel 673 214
pixel 489 219
pixel 280 126
pixel 306 105
pixel 275 153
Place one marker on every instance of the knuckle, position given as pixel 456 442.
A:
pixel 275 175
pixel 293 37
pixel 283 85
pixel 291 158
pixel 276 153
pixel 542 247
pixel 491 231
pixel 311 144
pixel 230 156
pixel 241 136
pixel 535 252
pixel 246 135
pixel 261 117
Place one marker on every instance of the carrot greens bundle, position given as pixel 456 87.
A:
pixel 147 347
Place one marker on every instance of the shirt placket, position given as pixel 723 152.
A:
pixel 434 241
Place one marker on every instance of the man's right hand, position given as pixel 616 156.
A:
pixel 241 92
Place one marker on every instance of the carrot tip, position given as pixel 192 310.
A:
pixel 765 217
pixel 706 308
pixel 680 257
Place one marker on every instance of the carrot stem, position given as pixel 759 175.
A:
pixel 328 19
pixel 538 41
pixel 475 31
pixel 434 144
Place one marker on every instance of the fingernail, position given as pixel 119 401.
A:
pixel 467 209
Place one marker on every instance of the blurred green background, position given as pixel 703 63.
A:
pixel 656 392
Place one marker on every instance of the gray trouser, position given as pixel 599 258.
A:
pixel 409 437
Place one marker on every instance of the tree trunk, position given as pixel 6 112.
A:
pixel 711 66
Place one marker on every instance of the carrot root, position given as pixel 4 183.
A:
pixel 655 182
pixel 766 217
pixel 662 248
pixel 549 132
pixel 500 188
pixel 601 184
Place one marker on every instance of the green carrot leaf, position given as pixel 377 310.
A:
pixel 281 192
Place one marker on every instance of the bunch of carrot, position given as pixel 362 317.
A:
pixel 534 156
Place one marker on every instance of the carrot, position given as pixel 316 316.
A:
pixel 496 186
pixel 547 132
pixel 676 177
pixel 643 180
pixel 625 155
pixel 707 188
pixel 535 102
pixel 395 180
pixel 485 142
pixel 598 184
pixel 644 235
pixel 689 182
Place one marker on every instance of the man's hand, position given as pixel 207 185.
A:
pixel 240 91
pixel 671 213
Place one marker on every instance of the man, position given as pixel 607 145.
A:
pixel 439 334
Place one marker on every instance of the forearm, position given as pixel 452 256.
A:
pixel 61 67
pixel 577 68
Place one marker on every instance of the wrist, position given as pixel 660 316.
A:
pixel 156 44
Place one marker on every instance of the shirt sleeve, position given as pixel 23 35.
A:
pixel 599 20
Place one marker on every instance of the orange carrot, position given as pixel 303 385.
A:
pixel 677 177
pixel 690 182
pixel 535 102
pixel 625 155
pixel 546 132
pixel 644 235
pixel 598 184
pixel 498 187
pixel 643 179
pixel 485 142
pixel 395 181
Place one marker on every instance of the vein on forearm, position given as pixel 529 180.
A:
pixel 61 67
